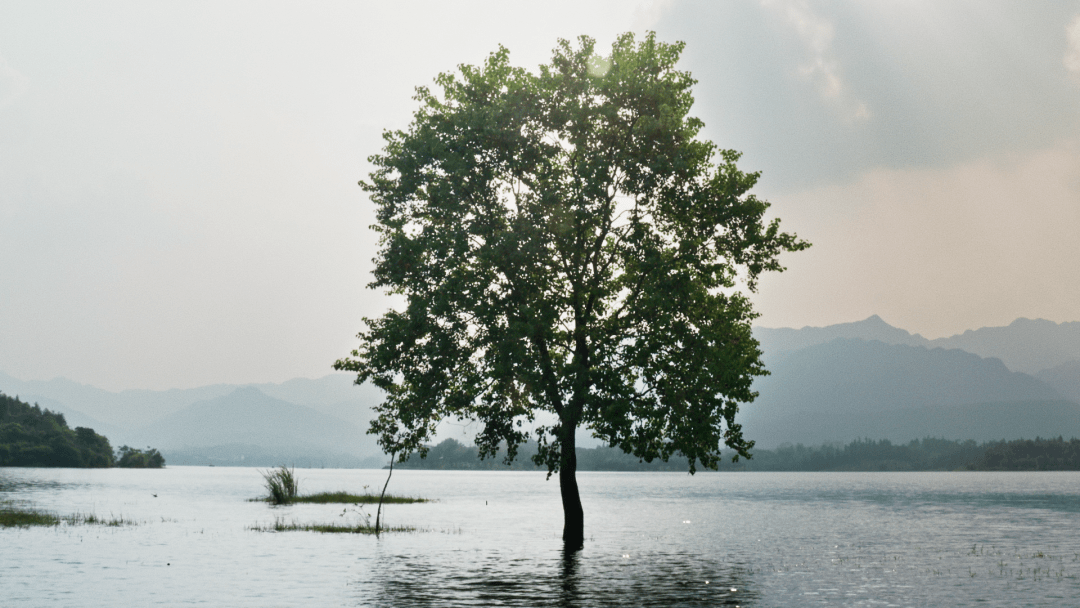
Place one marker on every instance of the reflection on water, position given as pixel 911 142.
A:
pixel 10 486
pixel 564 579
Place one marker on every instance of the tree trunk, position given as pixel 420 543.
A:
pixel 574 522
pixel 378 514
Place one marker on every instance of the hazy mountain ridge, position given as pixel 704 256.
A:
pixel 869 379
pixel 835 383
pixel 129 409
pixel 776 342
pixel 1025 345
pixel 248 416
pixel 849 374
pixel 1065 378
pixel 317 420
pixel 334 394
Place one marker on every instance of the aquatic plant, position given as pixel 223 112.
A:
pixel 15 517
pixel 364 527
pixel 282 485
pixel 342 497
pixel 93 519
pixel 346 498
pixel 12 517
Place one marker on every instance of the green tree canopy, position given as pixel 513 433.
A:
pixel 34 437
pixel 565 243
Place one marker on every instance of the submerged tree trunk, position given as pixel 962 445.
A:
pixel 574 522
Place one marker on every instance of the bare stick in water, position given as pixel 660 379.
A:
pixel 378 513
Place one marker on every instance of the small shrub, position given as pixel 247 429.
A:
pixel 282 485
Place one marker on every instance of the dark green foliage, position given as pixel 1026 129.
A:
pixel 565 244
pixel 33 437
pixel 1030 455
pixel 451 454
pixel 131 458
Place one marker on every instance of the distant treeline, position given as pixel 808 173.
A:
pixel 1030 455
pixel 35 437
pixel 861 455
pixel 247 455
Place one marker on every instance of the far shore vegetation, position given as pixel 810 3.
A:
pixel 928 454
pixel 132 458
pixel 34 437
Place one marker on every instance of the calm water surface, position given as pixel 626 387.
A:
pixel 492 539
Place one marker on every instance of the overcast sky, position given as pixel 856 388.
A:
pixel 178 198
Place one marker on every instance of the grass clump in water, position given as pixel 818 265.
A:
pixel 92 519
pixel 13 517
pixel 362 526
pixel 280 525
pixel 346 498
pixel 282 485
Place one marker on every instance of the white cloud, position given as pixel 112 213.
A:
pixel 12 83
pixel 1072 53
pixel 820 67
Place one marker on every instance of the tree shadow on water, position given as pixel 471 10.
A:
pixel 564 579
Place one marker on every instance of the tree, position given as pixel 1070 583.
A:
pixel 34 437
pixel 132 458
pixel 564 243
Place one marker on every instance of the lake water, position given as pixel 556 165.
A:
pixel 493 539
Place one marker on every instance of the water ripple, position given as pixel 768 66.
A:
pixel 571 580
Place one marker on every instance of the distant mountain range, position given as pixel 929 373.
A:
pixel 777 342
pixel 1065 378
pixel 865 379
pixel 249 416
pixel 852 375
pixel 870 380
pixel 1025 345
